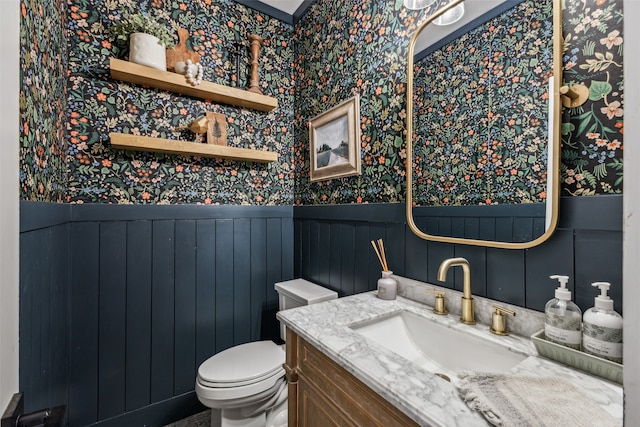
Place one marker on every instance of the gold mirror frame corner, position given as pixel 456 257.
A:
pixel 553 173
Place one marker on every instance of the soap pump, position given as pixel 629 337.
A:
pixel 562 317
pixel 602 332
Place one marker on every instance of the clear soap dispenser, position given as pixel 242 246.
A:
pixel 602 333
pixel 562 318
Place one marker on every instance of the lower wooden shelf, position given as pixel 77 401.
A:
pixel 158 145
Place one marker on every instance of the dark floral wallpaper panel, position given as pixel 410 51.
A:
pixel 339 48
pixel 352 46
pixel 592 134
pixel 99 105
pixel 481 112
pixel 69 105
pixel 43 100
pixel 345 48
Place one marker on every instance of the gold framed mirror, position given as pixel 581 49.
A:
pixel 493 153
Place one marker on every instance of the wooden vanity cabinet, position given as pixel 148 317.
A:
pixel 321 393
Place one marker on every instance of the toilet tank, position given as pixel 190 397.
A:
pixel 299 292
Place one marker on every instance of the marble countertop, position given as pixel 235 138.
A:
pixel 427 399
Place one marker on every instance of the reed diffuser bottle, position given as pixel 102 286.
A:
pixel 387 286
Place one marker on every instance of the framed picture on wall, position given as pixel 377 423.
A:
pixel 334 139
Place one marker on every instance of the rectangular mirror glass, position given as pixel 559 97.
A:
pixel 483 122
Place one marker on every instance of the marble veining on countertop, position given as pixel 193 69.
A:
pixel 424 397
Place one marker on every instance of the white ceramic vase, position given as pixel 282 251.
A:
pixel 145 49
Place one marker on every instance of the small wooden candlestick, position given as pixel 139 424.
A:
pixel 256 43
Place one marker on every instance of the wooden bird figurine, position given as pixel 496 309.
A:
pixel 200 125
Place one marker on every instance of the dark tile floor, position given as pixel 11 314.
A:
pixel 202 419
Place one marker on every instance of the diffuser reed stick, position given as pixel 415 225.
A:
pixel 380 253
pixel 384 255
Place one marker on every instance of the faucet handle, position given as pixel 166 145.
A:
pixel 498 322
pixel 439 307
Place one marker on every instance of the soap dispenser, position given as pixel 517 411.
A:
pixel 562 317
pixel 602 332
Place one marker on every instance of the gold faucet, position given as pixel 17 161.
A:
pixel 466 312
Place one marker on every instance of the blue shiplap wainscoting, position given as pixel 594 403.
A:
pixel 333 249
pixel 502 223
pixel 120 304
pixel 44 304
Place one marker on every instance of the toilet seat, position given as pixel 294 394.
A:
pixel 241 371
pixel 242 395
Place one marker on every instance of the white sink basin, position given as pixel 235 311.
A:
pixel 436 347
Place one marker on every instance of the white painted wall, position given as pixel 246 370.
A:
pixel 631 248
pixel 9 197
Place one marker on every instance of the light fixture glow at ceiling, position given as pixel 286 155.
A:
pixel 418 4
pixel 450 16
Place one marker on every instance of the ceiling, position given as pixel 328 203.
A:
pixel 473 11
pixel 289 11
pixel 287 6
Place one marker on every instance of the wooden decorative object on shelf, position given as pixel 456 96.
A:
pixel 185 148
pixel 200 125
pixel 256 43
pixel 213 124
pixel 165 80
pixel 216 129
pixel 181 52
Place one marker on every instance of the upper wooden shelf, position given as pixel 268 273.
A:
pixel 159 145
pixel 174 82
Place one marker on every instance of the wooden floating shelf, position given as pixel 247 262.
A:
pixel 174 82
pixel 158 145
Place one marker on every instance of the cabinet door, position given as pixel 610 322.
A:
pixel 322 393
pixel 314 410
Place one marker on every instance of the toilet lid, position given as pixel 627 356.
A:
pixel 244 364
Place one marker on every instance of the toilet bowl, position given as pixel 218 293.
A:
pixel 247 382
pixel 244 382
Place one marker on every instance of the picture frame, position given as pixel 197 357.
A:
pixel 334 142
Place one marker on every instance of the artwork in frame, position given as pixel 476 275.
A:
pixel 334 138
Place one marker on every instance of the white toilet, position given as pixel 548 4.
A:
pixel 247 382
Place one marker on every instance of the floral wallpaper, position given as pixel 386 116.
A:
pixel 69 104
pixel 481 112
pixel 339 48
pixel 98 105
pixel 365 53
pixel 43 101
pixel 592 135
pixel 345 48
